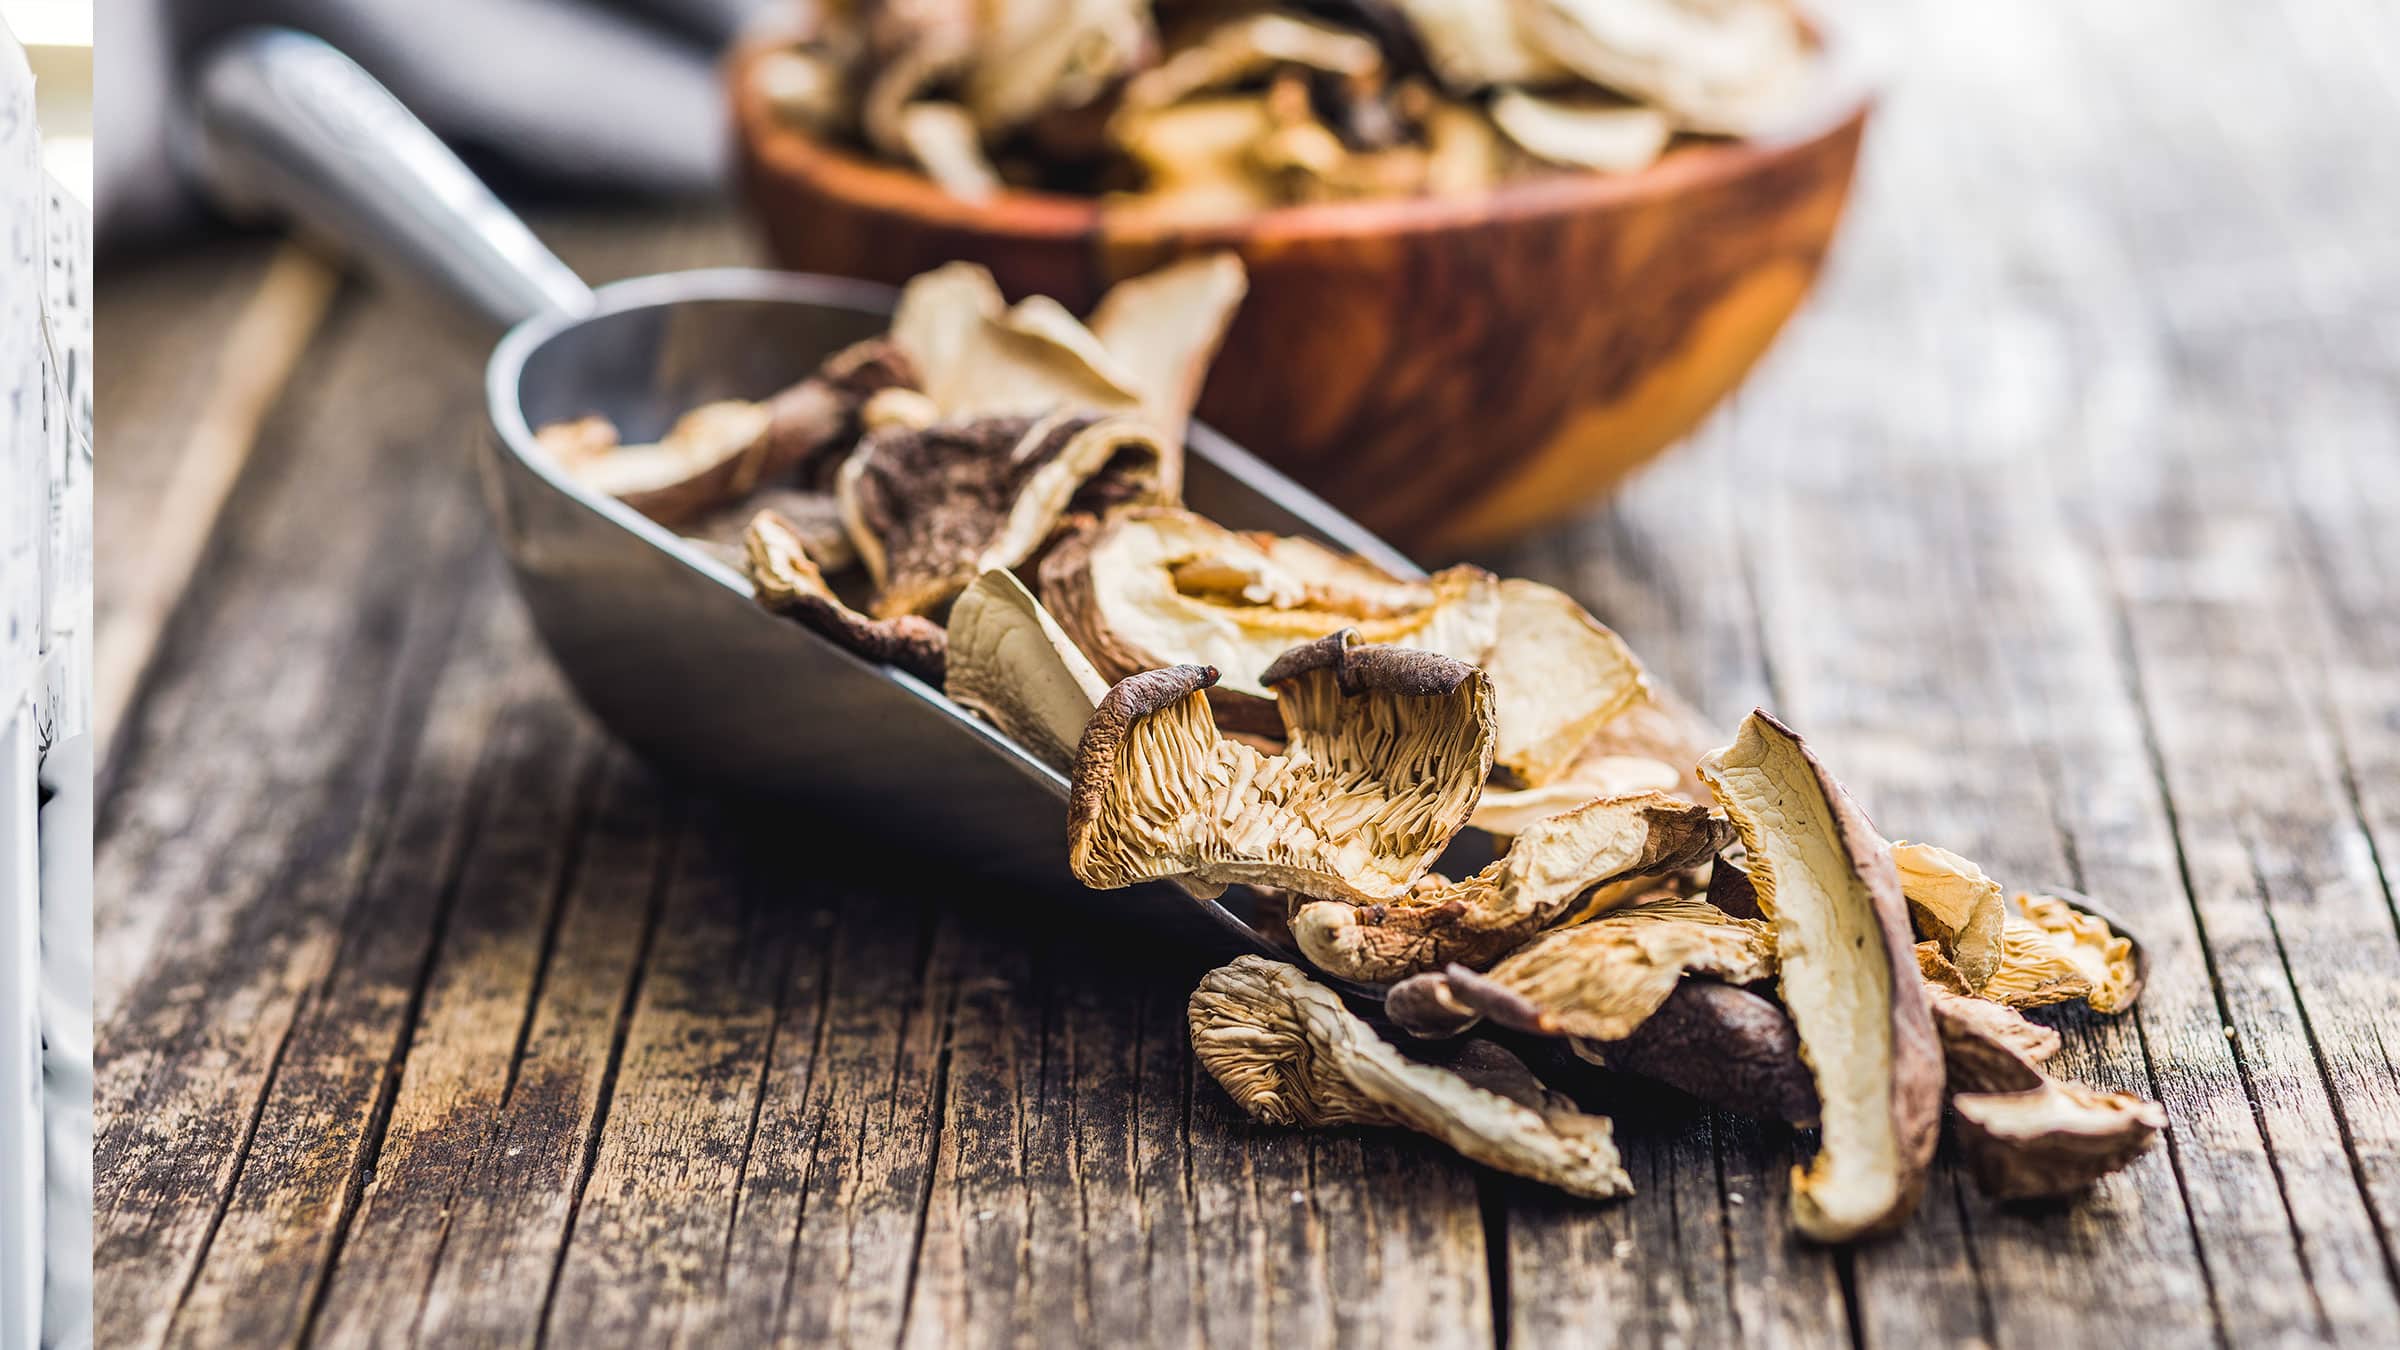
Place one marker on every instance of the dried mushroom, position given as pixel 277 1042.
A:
pixel 1386 749
pixel 1955 905
pixel 787 583
pixel 1559 674
pixel 2054 950
pixel 931 509
pixel 2025 1134
pixel 1162 329
pixel 1583 133
pixel 1288 1053
pixel 1601 980
pixel 1724 66
pixel 1722 1044
pixel 1509 811
pixel 1246 48
pixel 1159 587
pixel 1010 663
pixel 1848 976
pixel 1482 918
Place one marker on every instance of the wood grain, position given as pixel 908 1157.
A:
pixel 2061 525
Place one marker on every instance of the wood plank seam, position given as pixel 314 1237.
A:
pixel 662 876
pixel 758 1106
pixel 928 944
pixel 808 1146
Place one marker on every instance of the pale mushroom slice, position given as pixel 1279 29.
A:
pixel 787 583
pixel 1288 1053
pixel 719 452
pixel 1242 49
pixel 1476 44
pixel 1011 663
pixel 1728 67
pixel 1559 675
pixel 1601 980
pixel 1385 750
pixel 1848 975
pixel 1195 160
pixel 1465 155
pixel 1483 918
pixel 1955 905
pixel 1162 328
pixel 1582 133
pixel 930 509
pixel 1722 1044
pixel 1034 56
pixel 2054 949
pixel 942 140
pixel 1511 811
pixel 1160 587
pixel 2024 1134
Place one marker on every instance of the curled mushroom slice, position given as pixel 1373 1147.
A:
pixel 1160 587
pixel 1477 921
pixel 1385 750
pixel 1722 1044
pixel 1601 980
pixel 1245 48
pixel 1010 662
pixel 941 139
pixel 931 509
pixel 1037 55
pixel 1987 1047
pixel 1288 1053
pixel 1510 811
pixel 1848 976
pixel 787 583
pixel 1955 905
pixel 1582 133
pixel 1559 675
pixel 2055 949
pixel 1475 44
pixel 1721 66
pixel 2053 1140
pixel 1162 329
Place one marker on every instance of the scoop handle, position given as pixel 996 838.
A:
pixel 289 126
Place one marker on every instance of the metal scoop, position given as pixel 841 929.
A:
pixel 661 640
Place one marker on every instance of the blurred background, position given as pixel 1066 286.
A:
pixel 57 37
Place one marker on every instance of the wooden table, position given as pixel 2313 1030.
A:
pixel 2066 521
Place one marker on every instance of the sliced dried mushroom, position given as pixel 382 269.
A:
pixel 1559 674
pixel 787 583
pixel 1730 889
pixel 941 139
pixel 1508 811
pixel 1037 55
pixel 1386 748
pixel 1288 1053
pixel 2054 950
pixel 1610 137
pixel 1723 66
pixel 1162 328
pixel 1159 587
pixel 1244 48
pixel 1601 980
pixel 815 516
pixel 1010 662
pixel 931 509
pixel 1988 1047
pixel 2054 1140
pixel 1722 1044
pixel 1955 905
pixel 1848 976
pixel 1476 44
pixel 1547 868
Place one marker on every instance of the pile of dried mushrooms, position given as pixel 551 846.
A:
pixel 1211 109
pixel 988 497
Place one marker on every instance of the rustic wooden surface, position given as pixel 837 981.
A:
pixel 2066 521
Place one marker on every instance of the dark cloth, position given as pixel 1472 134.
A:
pixel 613 97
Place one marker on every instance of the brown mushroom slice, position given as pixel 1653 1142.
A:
pixel 1848 976
pixel 1955 905
pixel 2054 950
pixel 1727 67
pixel 787 583
pixel 1601 980
pixel 1731 890
pixel 1559 675
pixel 1509 811
pixel 1162 329
pixel 1547 868
pixel 931 509
pixel 1986 1046
pixel 1288 1053
pixel 1156 587
pixel 1244 48
pixel 1385 750
pixel 815 516
pixel 1721 1044
pixel 1606 137
pixel 2052 1140
pixel 1012 664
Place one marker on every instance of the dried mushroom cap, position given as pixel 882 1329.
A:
pixel 1241 49
pixel 1508 811
pixel 1987 1047
pixel 1848 977
pixel 1955 905
pixel 2060 950
pixel 1289 1053
pixel 2052 1140
pixel 932 509
pixel 1159 587
pixel 1386 748
pixel 1547 868
pixel 1722 66
pixel 1560 675
pixel 1601 980
pixel 1721 1044
pixel 1608 137
pixel 787 583
pixel 1010 662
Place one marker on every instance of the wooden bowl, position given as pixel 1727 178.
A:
pixel 1449 371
